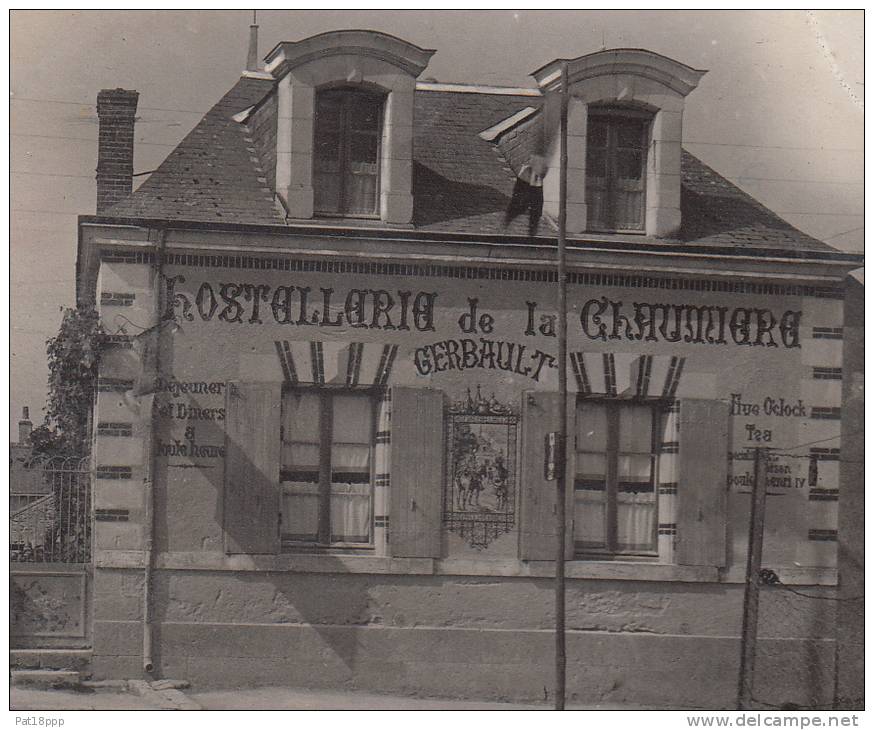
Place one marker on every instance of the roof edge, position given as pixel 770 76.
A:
pixel 465 88
pixel 619 246
pixel 638 61
pixel 505 125
pixel 263 75
pixel 287 55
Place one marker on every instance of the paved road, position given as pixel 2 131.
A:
pixel 47 700
pixel 263 698
pixel 280 698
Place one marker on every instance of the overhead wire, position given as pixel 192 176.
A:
pixel 43 210
pixel 844 233
pixel 83 139
pixel 818 213
pixel 816 182
pixel 801 180
pixel 49 174
pixel 819 441
pixel 697 142
pixel 192 111
pixel 94 105
pixel 773 147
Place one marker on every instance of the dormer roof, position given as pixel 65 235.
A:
pixel 288 55
pixel 631 61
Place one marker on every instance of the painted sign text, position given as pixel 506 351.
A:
pixel 606 319
pixel 235 302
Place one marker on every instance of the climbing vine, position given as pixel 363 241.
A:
pixel 73 357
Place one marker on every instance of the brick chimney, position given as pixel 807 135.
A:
pixel 25 426
pixel 116 110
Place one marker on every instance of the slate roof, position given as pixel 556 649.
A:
pixel 222 172
pixel 215 174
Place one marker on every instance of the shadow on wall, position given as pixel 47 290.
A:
pixel 268 601
pixel 279 617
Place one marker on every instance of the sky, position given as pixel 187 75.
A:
pixel 780 111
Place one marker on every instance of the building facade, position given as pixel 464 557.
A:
pixel 320 426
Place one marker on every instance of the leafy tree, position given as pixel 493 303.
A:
pixel 73 357
pixel 45 441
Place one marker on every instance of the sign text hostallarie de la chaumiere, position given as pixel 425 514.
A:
pixel 379 309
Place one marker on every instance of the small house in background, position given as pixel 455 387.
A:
pixel 30 495
pixel 319 432
pixel 25 484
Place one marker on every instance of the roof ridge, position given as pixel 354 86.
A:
pixel 469 88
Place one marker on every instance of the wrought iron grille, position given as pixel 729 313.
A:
pixel 50 511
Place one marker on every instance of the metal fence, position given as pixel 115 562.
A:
pixel 50 512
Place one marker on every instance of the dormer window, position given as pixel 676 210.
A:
pixel 616 147
pixel 344 130
pixel 346 146
pixel 625 134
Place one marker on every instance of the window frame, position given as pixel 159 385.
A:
pixel 613 114
pixel 326 395
pixel 345 135
pixel 611 455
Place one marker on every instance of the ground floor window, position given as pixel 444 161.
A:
pixel 615 504
pixel 322 467
pixel 326 467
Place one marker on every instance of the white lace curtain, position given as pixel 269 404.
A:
pixel 631 445
pixel 350 498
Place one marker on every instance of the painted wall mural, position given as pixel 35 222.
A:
pixel 479 492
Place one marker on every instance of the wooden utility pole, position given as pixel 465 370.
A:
pixel 750 626
pixel 560 484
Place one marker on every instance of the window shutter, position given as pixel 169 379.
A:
pixel 251 500
pixel 537 533
pixel 416 472
pixel 702 478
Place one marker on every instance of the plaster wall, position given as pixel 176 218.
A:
pixel 771 387
pixel 464 637
pixel 641 640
